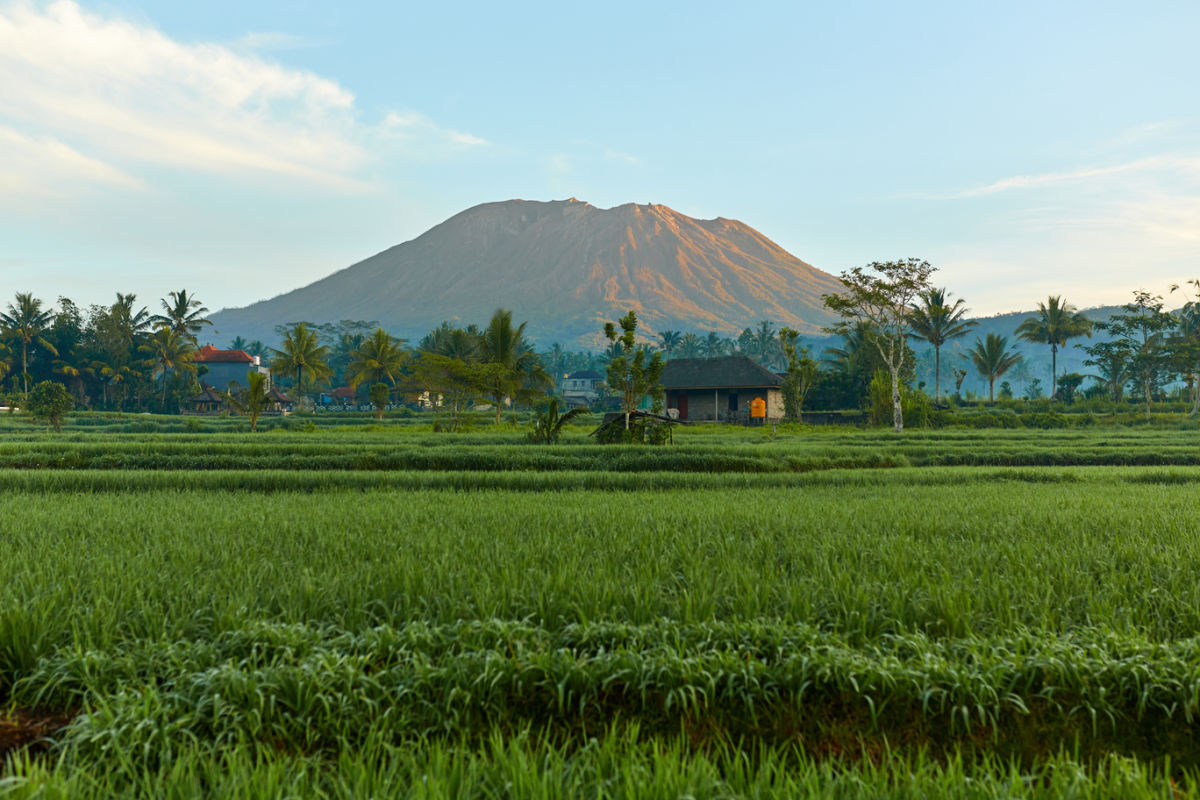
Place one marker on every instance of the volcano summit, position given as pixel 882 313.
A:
pixel 566 267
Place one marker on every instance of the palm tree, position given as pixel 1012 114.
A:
pixel 254 400
pixel 520 373
pixel 239 343
pixel 256 348
pixel 766 343
pixel 301 351
pixel 992 359
pixel 27 321
pixel 379 357
pixel 937 322
pixel 112 372
pixel 183 314
pixel 1056 323
pixel 172 349
pixel 668 341
pixel 713 345
pixel 132 323
pixel 690 346
pixel 549 423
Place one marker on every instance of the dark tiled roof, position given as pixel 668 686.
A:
pixel 278 396
pixel 585 374
pixel 208 395
pixel 730 372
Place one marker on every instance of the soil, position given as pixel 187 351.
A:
pixel 29 728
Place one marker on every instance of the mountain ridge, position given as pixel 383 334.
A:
pixel 566 267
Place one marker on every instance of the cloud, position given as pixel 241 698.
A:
pixel 622 157
pixel 1050 179
pixel 41 166
pixel 410 124
pixel 123 93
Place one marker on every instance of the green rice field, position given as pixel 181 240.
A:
pixel 375 610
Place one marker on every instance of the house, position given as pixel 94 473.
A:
pixel 582 388
pixel 209 401
pixel 227 366
pixel 720 388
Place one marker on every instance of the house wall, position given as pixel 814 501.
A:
pixel 220 374
pixel 700 402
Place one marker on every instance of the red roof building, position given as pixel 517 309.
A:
pixel 211 355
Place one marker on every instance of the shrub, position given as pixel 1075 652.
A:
pixel 50 401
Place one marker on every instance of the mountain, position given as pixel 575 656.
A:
pixel 566 267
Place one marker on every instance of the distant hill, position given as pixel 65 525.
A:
pixel 566 267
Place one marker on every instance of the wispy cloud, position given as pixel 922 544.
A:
pixel 41 166
pixel 118 92
pixel 1050 179
pixel 411 124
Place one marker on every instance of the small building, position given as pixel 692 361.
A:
pixel 582 388
pixel 209 401
pixel 280 403
pixel 721 388
pixel 227 366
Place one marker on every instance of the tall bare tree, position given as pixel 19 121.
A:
pixel 880 295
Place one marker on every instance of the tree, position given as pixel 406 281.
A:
pixel 301 351
pixel 1143 330
pixel 713 345
pixel 450 384
pixel 548 425
pixel 380 395
pixel 801 374
pixel 1057 322
pixel 27 322
pixel 171 349
pixel 379 357
pixel 629 375
pixel 49 401
pixel 520 374
pixel 992 359
pixel 254 400
pixel 881 298
pixel 1111 359
pixel 937 321
pixel 183 314
pixel 1187 341
pixel 690 346
pixel 668 341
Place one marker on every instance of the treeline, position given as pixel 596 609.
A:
pixel 123 357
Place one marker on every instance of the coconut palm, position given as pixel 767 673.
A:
pixel 690 346
pixel 992 359
pixel 26 321
pixel 239 343
pixel 937 321
pixel 301 353
pixel 171 349
pixel 254 400
pixel 713 345
pixel 520 374
pixel 668 341
pixel 1056 323
pixel 380 356
pixel 548 425
pixel 182 314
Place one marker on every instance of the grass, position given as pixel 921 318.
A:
pixel 545 629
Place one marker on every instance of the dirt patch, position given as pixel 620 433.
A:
pixel 29 728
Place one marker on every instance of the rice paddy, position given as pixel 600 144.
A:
pixel 383 611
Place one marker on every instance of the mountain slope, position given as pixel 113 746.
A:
pixel 566 267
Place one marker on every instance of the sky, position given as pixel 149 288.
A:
pixel 241 150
